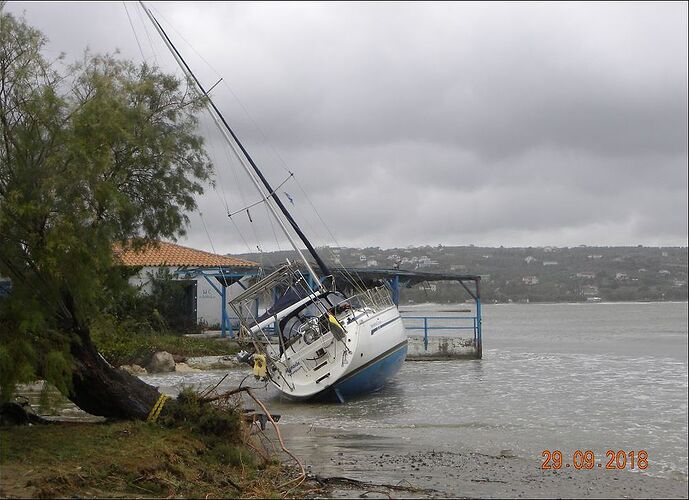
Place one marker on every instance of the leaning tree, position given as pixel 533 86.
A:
pixel 92 155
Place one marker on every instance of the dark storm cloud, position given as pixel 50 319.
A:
pixel 512 124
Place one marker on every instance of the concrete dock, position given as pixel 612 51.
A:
pixel 440 348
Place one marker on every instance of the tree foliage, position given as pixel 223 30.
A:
pixel 92 155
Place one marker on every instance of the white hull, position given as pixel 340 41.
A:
pixel 306 371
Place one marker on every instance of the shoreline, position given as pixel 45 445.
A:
pixel 358 462
pixel 422 305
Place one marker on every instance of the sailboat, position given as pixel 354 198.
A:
pixel 330 345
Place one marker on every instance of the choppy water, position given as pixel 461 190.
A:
pixel 560 376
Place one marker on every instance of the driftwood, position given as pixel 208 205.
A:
pixel 370 487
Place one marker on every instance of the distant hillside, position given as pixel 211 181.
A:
pixel 538 274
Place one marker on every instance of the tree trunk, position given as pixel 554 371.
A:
pixel 101 389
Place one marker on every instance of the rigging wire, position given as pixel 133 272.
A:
pixel 216 169
pixel 136 37
pixel 222 270
pixel 172 27
pixel 353 279
pixel 213 154
pixel 150 41
pixel 239 101
pixel 272 227
pixel 204 125
pixel 262 200
pixel 262 256
pixel 356 282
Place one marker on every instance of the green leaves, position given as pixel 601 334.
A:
pixel 99 153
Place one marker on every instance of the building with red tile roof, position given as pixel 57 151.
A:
pixel 203 301
pixel 165 254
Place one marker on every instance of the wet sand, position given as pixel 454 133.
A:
pixel 423 472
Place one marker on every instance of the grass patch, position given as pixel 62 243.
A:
pixel 197 449
pixel 127 343
pixel 129 459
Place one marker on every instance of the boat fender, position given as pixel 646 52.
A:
pixel 260 366
pixel 336 328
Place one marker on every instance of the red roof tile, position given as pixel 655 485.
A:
pixel 170 254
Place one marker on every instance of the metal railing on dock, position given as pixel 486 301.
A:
pixel 466 329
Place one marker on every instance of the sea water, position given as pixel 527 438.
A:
pixel 553 377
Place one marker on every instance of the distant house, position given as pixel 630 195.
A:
pixel 586 275
pixel 589 290
pixel 621 276
pixel 595 257
pixel 530 280
pixel 550 263
pixel 362 258
pixel 202 300
pixel 458 267
pixel 372 263
pixel 425 261
pixel 530 259
pixel 663 271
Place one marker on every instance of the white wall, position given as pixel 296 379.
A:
pixel 208 304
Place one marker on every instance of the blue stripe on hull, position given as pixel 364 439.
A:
pixel 366 380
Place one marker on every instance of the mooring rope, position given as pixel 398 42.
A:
pixel 157 408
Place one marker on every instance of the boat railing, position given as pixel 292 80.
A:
pixel 456 326
pixel 377 299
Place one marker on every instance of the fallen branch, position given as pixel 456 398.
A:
pixel 365 484
pixel 226 395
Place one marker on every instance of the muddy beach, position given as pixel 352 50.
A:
pixel 415 471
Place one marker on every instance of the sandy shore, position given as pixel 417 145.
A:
pixel 459 473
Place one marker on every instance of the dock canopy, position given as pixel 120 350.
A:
pixel 407 278
pixel 396 278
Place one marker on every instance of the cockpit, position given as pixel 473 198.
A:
pixel 311 321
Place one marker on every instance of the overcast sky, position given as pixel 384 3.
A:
pixel 511 124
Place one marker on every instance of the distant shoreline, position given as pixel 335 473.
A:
pixel 422 305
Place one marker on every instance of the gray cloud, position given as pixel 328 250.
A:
pixel 500 124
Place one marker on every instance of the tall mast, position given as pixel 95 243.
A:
pixel 225 128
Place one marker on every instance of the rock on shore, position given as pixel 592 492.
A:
pixel 214 362
pixel 161 362
pixel 134 369
pixel 164 362
pixel 185 368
